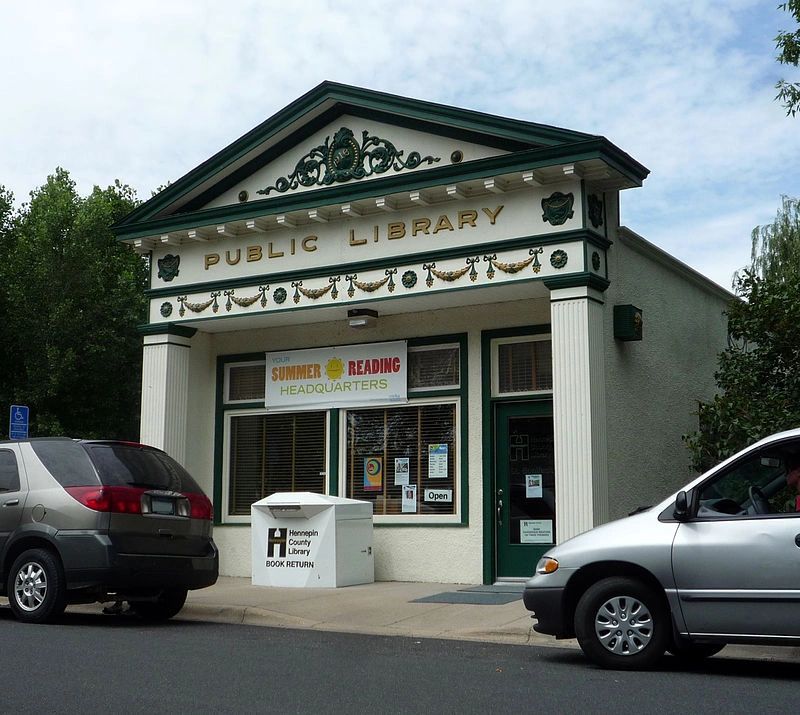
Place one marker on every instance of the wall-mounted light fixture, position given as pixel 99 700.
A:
pixel 362 318
pixel 628 322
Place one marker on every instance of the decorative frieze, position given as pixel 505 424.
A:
pixel 442 274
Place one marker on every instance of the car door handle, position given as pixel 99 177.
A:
pixel 797 540
pixel 11 502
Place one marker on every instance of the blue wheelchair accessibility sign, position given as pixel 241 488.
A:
pixel 18 422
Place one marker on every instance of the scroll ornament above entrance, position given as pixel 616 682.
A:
pixel 342 158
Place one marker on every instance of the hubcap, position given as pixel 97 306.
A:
pixel 623 625
pixel 30 586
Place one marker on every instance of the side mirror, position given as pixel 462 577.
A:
pixel 681 512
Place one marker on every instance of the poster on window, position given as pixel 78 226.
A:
pixel 409 505
pixel 401 471
pixel 373 474
pixel 536 531
pixel 347 376
pixel 437 461
pixel 533 486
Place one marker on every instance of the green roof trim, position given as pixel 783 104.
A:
pixel 330 99
pixel 596 148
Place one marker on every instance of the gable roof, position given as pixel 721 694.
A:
pixel 527 143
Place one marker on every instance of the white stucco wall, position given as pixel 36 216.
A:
pixel 451 554
pixel 654 385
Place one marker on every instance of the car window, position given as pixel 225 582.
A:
pixel 66 461
pixel 764 482
pixel 136 466
pixel 9 472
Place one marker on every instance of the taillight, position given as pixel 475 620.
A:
pixel 120 500
pixel 200 506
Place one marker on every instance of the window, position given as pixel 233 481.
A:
pixel 390 448
pixel 9 474
pixel 766 482
pixel 522 365
pixel 278 452
pixel 433 367
pixel 246 382
pixel 263 452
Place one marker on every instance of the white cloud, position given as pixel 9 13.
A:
pixel 145 91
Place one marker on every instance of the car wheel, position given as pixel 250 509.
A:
pixel 621 623
pixel 36 586
pixel 694 652
pixel 167 605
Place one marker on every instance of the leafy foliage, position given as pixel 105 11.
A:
pixel 788 45
pixel 758 374
pixel 71 298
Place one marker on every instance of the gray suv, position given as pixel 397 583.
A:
pixel 87 521
pixel 718 562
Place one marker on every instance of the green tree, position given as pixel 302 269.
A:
pixel 788 45
pixel 757 376
pixel 72 297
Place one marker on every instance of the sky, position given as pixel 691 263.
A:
pixel 145 91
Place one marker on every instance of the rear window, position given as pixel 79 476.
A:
pixel 66 461
pixel 122 465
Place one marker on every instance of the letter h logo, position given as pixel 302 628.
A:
pixel 276 538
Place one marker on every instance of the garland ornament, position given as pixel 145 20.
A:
pixel 197 307
pixel 372 286
pixel 449 276
pixel 246 302
pixel 342 158
pixel 312 293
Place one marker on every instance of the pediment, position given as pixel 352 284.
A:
pixel 340 136
pixel 351 149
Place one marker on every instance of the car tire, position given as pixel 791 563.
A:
pixel 168 604
pixel 36 587
pixel 694 652
pixel 622 623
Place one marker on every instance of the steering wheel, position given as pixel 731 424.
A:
pixel 759 501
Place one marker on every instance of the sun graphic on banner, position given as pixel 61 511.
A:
pixel 334 369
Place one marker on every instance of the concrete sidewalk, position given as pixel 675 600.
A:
pixel 382 608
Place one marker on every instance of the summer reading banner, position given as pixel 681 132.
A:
pixel 347 376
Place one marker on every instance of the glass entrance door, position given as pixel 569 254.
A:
pixel 524 489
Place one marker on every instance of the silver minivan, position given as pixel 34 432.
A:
pixel 718 562
pixel 86 521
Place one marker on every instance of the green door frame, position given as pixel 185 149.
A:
pixel 518 559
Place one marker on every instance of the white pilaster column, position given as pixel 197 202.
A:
pixel 579 410
pixel 165 393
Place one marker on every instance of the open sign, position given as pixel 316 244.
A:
pixel 438 495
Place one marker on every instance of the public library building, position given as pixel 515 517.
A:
pixel 432 309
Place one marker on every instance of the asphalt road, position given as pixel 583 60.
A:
pixel 102 664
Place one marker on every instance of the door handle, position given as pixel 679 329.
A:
pixel 499 507
pixel 11 502
pixel 797 540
